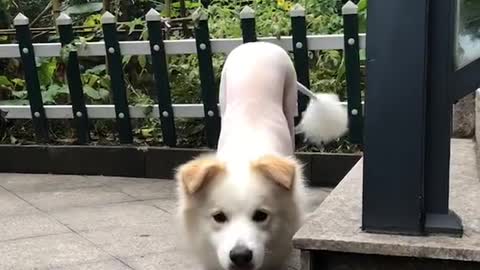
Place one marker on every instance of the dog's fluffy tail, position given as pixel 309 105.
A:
pixel 324 120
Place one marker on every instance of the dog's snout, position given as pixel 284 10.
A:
pixel 241 256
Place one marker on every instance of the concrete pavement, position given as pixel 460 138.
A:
pixel 93 222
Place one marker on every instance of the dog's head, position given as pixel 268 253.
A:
pixel 240 216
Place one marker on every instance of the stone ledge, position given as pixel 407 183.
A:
pixel 335 225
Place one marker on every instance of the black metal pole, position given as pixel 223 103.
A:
pixel 117 82
pixel 207 80
pixel 352 66
pixel 394 135
pixel 300 54
pixel 247 19
pixel 160 72
pixel 74 80
pixel 439 218
pixel 27 54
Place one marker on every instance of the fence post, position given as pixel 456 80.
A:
pixel 117 82
pixel 27 54
pixel 247 18
pixel 160 73
pixel 75 86
pixel 300 60
pixel 352 66
pixel 207 79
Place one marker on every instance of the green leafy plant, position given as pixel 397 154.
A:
pixel 96 84
pixel 327 71
pixel 84 8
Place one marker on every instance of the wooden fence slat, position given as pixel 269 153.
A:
pixel 27 55
pixel 352 65
pixel 207 79
pixel 75 86
pixel 160 72
pixel 247 20
pixel 117 82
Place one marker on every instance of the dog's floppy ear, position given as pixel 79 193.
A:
pixel 194 174
pixel 281 170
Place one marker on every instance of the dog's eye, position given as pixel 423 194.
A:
pixel 260 216
pixel 220 217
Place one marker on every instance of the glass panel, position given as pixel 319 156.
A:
pixel 468 32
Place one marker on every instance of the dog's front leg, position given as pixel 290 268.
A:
pixel 290 102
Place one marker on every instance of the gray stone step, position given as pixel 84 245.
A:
pixel 332 238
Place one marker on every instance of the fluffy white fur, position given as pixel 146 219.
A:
pixel 324 120
pixel 239 193
pixel 253 173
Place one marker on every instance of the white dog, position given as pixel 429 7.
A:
pixel 240 207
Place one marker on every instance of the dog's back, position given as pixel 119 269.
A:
pixel 258 100
pixel 253 67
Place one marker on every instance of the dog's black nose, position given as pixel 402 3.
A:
pixel 241 256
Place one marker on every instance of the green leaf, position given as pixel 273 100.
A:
pixel 96 69
pixel 46 70
pixel 56 89
pixel 94 94
pixel 103 93
pixel 105 82
pixel 85 8
pixel 142 61
pixel 144 35
pixel 133 24
pixel 93 21
pixel 341 69
pixel 14 102
pixel 126 59
pixel 92 79
pixel 20 94
pixel 91 93
pixel 147 132
pixel 188 5
pixel 18 82
pixel 48 98
pixel 362 5
pixel 4 81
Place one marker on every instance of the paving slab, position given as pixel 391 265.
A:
pixel 335 225
pixel 31 225
pixel 64 199
pixel 103 265
pixel 166 261
pixel 147 190
pixel 119 215
pixel 48 252
pixel 119 180
pixel 167 205
pixel 135 240
pixel 45 182
pixel 10 204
